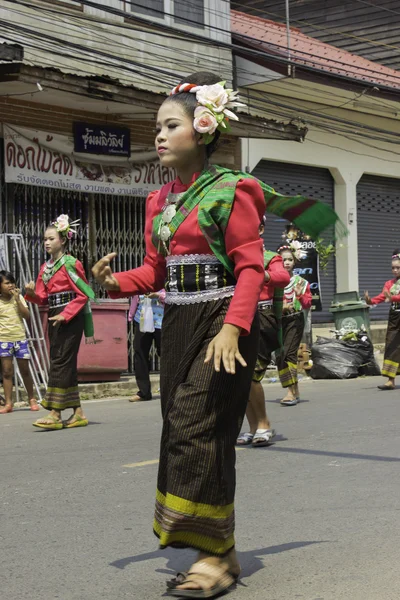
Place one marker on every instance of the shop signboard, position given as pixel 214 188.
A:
pixel 49 160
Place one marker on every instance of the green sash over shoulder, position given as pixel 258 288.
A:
pixel 214 193
pixel 69 262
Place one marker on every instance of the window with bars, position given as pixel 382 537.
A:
pixel 151 8
pixel 186 12
pixel 190 12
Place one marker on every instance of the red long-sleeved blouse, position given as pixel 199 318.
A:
pixel 242 241
pixel 279 278
pixel 386 288
pixel 60 282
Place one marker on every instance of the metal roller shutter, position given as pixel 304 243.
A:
pixel 313 182
pixel 378 227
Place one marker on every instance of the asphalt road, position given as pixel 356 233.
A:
pixel 318 513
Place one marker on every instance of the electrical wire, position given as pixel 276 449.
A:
pixel 269 100
pixel 328 30
pixel 190 34
pixel 283 61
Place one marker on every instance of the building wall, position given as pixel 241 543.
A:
pixel 133 53
pixel 347 161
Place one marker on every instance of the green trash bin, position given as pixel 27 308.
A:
pixel 349 312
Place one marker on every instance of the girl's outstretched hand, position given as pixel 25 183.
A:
pixel 388 296
pixel 225 346
pixel 103 274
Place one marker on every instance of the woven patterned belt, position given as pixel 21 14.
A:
pixel 195 278
pixel 61 299
pixel 265 305
pixel 395 306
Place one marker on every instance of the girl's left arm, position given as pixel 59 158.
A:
pixel 244 247
pixel 77 304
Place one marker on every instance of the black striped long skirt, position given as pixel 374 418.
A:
pixel 292 330
pixel 65 338
pixel 391 361
pixel 202 415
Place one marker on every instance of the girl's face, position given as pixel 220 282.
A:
pixel 6 288
pixel 53 243
pixel 396 268
pixel 288 260
pixel 178 145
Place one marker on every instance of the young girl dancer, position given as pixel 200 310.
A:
pixel 270 303
pixel 391 295
pixel 202 242
pixel 63 286
pixel 297 298
pixel 13 342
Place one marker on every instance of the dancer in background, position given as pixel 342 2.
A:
pixel 297 299
pixel 143 341
pixel 270 315
pixel 202 238
pixel 391 295
pixel 62 284
pixel 13 342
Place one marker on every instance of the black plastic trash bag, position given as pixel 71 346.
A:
pixel 339 359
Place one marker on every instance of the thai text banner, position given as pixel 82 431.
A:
pixel 48 160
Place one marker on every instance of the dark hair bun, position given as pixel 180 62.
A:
pixel 189 102
pixel 396 251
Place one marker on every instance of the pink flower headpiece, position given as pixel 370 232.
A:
pixel 396 257
pixel 295 248
pixel 213 112
pixel 65 227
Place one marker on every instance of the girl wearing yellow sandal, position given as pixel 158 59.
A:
pixel 63 286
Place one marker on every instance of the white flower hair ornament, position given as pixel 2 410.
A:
pixel 295 248
pixel 213 112
pixel 65 227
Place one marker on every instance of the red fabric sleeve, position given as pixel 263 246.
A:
pixel 41 295
pixel 279 277
pixel 150 277
pixel 306 298
pixel 78 303
pixel 244 247
pixel 381 297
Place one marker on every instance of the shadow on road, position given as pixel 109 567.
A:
pixel 339 454
pixel 251 560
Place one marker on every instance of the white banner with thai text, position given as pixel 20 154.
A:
pixel 48 160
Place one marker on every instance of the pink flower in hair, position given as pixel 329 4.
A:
pixel 204 120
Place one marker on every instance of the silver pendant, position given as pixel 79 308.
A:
pixel 165 233
pixel 169 214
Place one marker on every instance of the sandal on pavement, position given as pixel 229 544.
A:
pixel 76 421
pixel 177 580
pixel 262 437
pixel 244 439
pixel 49 423
pixel 33 404
pixel 385 388
pixel 136 398
pixel 199 574
pixel 181 576
pixel 6 409
pixel 289 401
